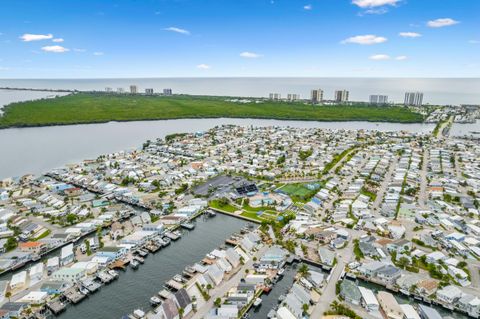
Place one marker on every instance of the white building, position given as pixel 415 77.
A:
pixel 316 96
pixel 341 96
pixel 413 99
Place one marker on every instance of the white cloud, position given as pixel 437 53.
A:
pixel 474 41
pixel 98 53
pixel 27 37
pixel 409 34
pixel 307 7
pixel 401 58
pixel 4 68
pixel 58 40
pixel 443 22
pixel 203 66
pixel 79 50
pixel 250 55
pixel 374 11
pixel 55 49
pixel 379 57
pixel 177 30
pixel 374 3
pixel 367 39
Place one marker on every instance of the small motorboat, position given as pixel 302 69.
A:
pixel 257 302
pixel 134 264
pixel 155 301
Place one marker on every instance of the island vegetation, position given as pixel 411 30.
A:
pixel 100 107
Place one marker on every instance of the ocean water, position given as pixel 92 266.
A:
pixel 436 90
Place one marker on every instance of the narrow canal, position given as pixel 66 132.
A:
pixel 134 288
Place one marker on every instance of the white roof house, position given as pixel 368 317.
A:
pixel 409 312
pixel 369 301
pixel 18 280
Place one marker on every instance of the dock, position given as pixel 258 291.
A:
pixel 119 264
pixel 73 295
pixel 56 306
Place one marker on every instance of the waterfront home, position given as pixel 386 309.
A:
pixel 112 252
pixel 138 238
pixel 67 255
pixel 389 305
pixel 70 275
pixel 89 267
pixel 449 294
pixel 302 294
pixel 53 264
pixel 34 247
pixel 19 280
pixel 53 287
pixel 36 273
pixel 370 269
pixel 233 257
pixel 183 301
pixel 168 310
pixel 409 312
pixel 256 280
pixel 294 305
pixel 368 299
pixel 274 257
pixel 350 292
pixel 389 274
pixel 428 312
pixel 215 273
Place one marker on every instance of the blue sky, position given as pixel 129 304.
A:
pixel 201 38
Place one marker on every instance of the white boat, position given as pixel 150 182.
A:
pixel 138 314
pixel 155 301
pixel 178 278
pixel 134 264
pixel 257 302
pixel 281 271
pixel 210 256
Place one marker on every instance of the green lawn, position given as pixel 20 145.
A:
pixel 94 108
pixel 299 192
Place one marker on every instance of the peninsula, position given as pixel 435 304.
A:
pixel 82 108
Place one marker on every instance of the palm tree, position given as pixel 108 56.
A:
pixel 8 295
pixel 304 271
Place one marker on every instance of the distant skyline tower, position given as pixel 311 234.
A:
pixel 275 96
pixel 316 96
pixel 413 99
pixel 293 97
pixel 378 99
pixel 167 92
pixel 149 91
pixel 133 89
pixel 341 96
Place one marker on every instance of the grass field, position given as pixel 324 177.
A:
pixel 95 108
pixel 298 192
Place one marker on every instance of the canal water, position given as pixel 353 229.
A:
pixel 402 299
pixel 133 289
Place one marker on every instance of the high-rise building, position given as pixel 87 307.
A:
pixel 120 90
pixel 108 89
pixel 341 96
pixel 133 89
pixel 413 99
pixel 167 92
pixel 275 96
pixel 293 97
pixel 316 96
pixel 378 99
pixel 149 91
